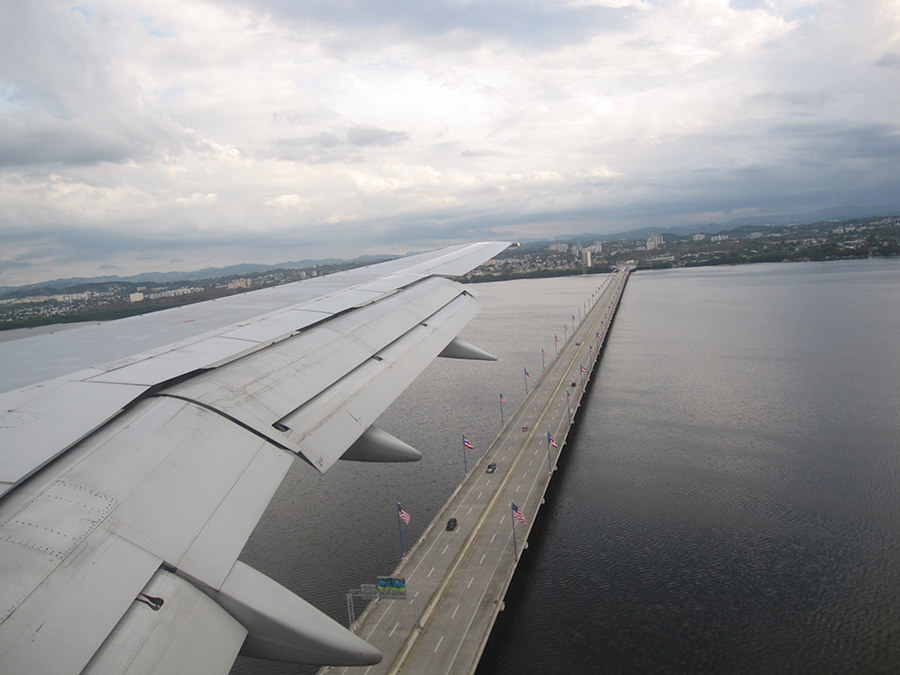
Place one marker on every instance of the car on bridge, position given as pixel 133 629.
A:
pixel 451 524
pixel 491 468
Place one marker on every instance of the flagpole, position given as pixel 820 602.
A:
pixel 549 462
pixel 512 521
pixel 501 409
pixel 400 529
pixel 525 377
pixel 465 462
pixel 543 366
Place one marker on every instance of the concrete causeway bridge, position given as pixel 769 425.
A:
pixel 457 579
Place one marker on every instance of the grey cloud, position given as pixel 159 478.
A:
pixel 364 136
pixel 6 265
pixel 41 139
pixel 527 23
pixel 336 147
pixel 838 141
pixel 889 60
pixel 66 102
pixel 321 148
pixel 810 100
pixel 748 4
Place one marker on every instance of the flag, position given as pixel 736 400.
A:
pixel 527 374
pixel 556 338
pixel 583 369
pixel 502 399
pixel 598 333
pixel 404 516
pixel 551 441
pixel 467 443
pixel 518 514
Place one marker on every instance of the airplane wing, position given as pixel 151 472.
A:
pixel 137 456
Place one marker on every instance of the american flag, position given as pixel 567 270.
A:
pixel 551 441
pixel 518 514
pixel 404 516
pixel 502 399
pixel 467 443
pixel 556 338
pixel 527 374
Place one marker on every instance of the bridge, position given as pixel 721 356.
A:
pixel 456 579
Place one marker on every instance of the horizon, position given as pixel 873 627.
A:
pixel 374 258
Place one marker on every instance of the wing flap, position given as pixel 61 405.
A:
pixel 263 388
pixel 61 624
pixel 187 633
pixel 325 427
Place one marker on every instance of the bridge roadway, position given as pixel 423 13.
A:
pixel 456 580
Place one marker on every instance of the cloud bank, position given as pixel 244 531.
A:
pixel 171 135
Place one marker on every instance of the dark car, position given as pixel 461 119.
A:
pixel 451 524
pixel 491 468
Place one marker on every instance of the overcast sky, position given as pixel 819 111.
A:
pixel 178 134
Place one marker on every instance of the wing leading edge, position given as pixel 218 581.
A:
pixel 120 528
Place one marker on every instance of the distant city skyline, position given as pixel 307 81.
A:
pixel 161 136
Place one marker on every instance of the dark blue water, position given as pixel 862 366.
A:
pixel 731 499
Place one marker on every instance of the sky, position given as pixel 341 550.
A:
pixel 160 135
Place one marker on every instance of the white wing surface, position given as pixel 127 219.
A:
pixel 137 456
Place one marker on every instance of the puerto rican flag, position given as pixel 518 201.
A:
pixel 583 369
pixel 551 441
pixel 467 444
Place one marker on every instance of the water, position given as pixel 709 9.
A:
pixel 729 502
pixel 323 535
